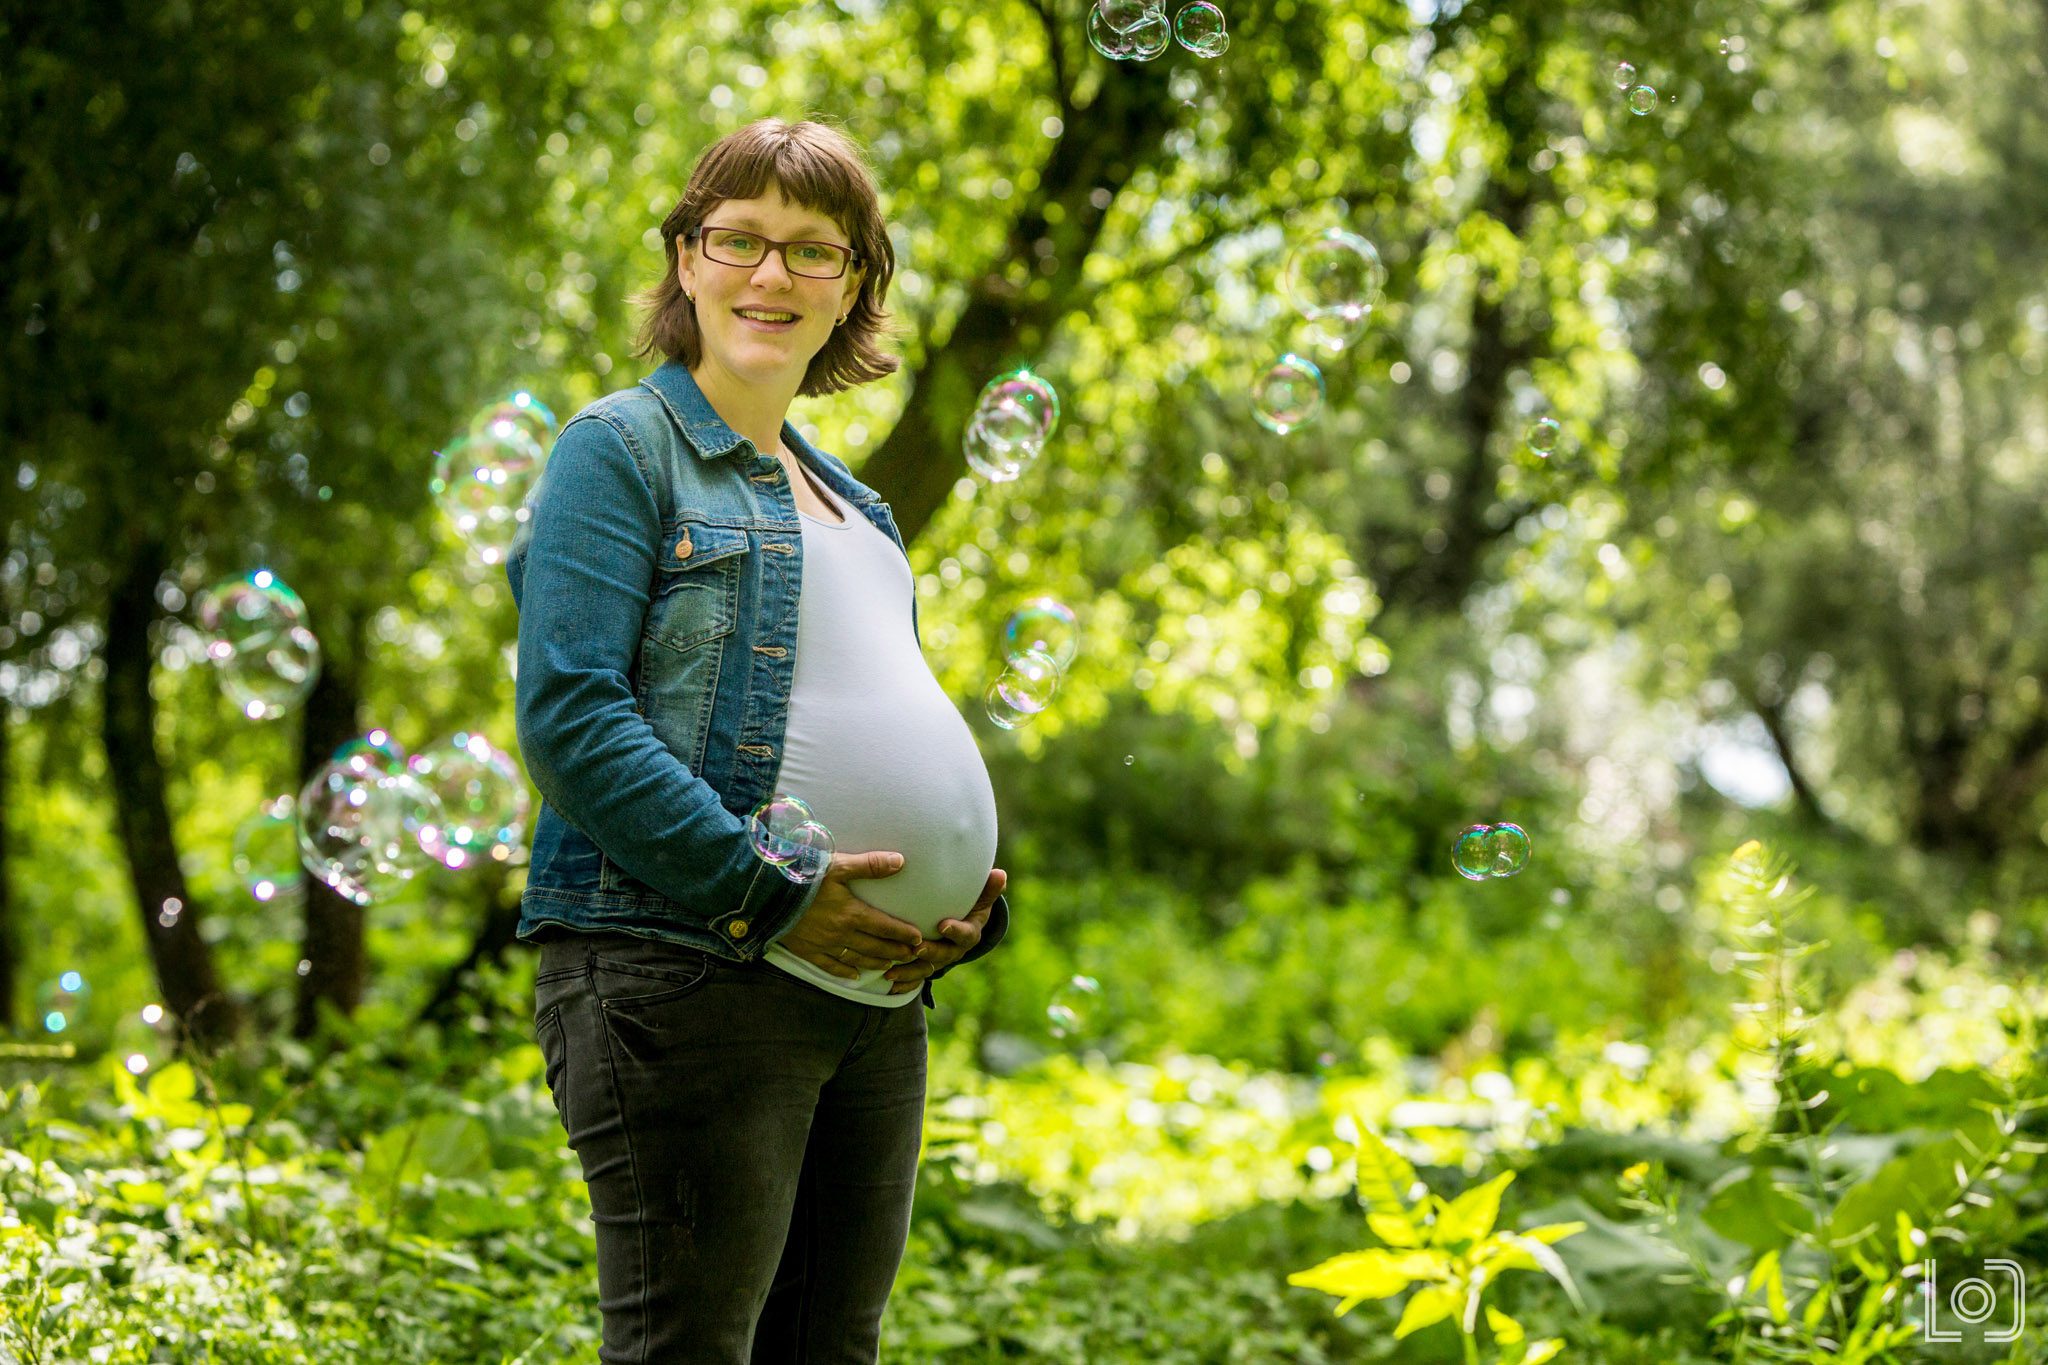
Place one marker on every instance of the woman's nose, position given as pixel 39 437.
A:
pixel 779 277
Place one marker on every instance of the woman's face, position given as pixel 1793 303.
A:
pixel 744 313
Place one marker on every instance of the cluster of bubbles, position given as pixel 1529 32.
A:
pixel 1641 98
pixel 1039 641
pixel 372 816
pixel 1013 419
pixel 789 839
pixel 1139 31
pixel 482 478
pixel 266 657
pixel 1484 851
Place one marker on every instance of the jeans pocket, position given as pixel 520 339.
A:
pixel 554 1051
pixel 638 974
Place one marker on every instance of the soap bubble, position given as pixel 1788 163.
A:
pixel 371 754
pixel 515 412
pixel 1335 273
pixel 996 463
pixel 266 850
pixel 1543 434
pixel 1288 394
pixel 1484 851
pixel 481 482
pixel 786 838
pixel 1044 625
pixel 483 800
pixel 1510 848
pixel 1472 855
pixel 257 638
pixel 1072 1008
pixel 1150 36
pixel 773 828
pixel 1110 42
pixel 60 1001
pixel 1018 408
pixel 1642 99
pixel 358 828
pixel 1029 683
pixel 1200 29
pixel 1121 16
pixel 1624 75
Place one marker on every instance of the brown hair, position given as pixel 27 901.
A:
pixel 813 165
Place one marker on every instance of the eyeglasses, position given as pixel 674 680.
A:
pixel 736 246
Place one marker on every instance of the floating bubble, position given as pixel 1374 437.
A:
pixel 1335 274
pixel 1643 99
pixel 1030 681
pixel 1510 848
pixel 1484 851
pixel 516 412
pixel 1072 1008
pixel 1288 394
pixel 266 852
pixel 357 829
pixel 773 827
pixel 372 753
pixel 1624 75
pixel 814 845
pixel 256 636
pixel 483 800
pixel 995 462
pixel 1121 16
pixel 1150 36
pixel 1043 625
pixel 1110 42
pixel 61 1001
pixel 1200 29
pixel 1018 407
pixel 1543 434
pixel 1472 855
pixel 481 483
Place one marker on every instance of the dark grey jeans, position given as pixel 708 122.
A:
pixel 750 1143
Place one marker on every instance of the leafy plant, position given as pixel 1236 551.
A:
pixel 1448 1247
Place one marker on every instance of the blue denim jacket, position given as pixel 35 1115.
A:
pixel 657 583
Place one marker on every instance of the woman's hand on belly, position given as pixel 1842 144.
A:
pixel 960 937
pixel 845 935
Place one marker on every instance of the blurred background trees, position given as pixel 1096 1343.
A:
pixel 1784 572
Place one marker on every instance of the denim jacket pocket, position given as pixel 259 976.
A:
pixel 697 585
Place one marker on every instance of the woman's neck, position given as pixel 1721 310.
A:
pixel 755 411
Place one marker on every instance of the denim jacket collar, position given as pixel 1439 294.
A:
pixel 710 437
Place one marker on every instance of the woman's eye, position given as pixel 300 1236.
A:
pixel 813 253
pixel 739 243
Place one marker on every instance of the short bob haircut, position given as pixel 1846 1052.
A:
pixel 813 165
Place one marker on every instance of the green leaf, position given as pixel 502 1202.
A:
pixel 1374 1274
pixel 1471 1215
pixel 1429 1306
pixel 1749 1207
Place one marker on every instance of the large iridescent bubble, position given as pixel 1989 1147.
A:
pixel 1200 29
pixel 1043 625
pixel 1335 274
pixel 785 835
pixel 1287 394
pixel 361 831
pixel 483 800
pixel 1022 690
pixel 266 657
pixel 519 411
pixel 481 482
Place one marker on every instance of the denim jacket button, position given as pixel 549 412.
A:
pixel 738 928
pixel 683 546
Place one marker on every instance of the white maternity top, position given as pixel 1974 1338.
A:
pixel 875 747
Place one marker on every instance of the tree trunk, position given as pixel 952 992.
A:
pixel 170 919
pixel 10 960
pixel 333 964
pixel 497 932
pixel 1022 296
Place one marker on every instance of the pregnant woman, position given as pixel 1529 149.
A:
pixel 713 611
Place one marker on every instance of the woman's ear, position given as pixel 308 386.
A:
pixel 686 274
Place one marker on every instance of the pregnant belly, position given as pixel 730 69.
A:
pixel 905 779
